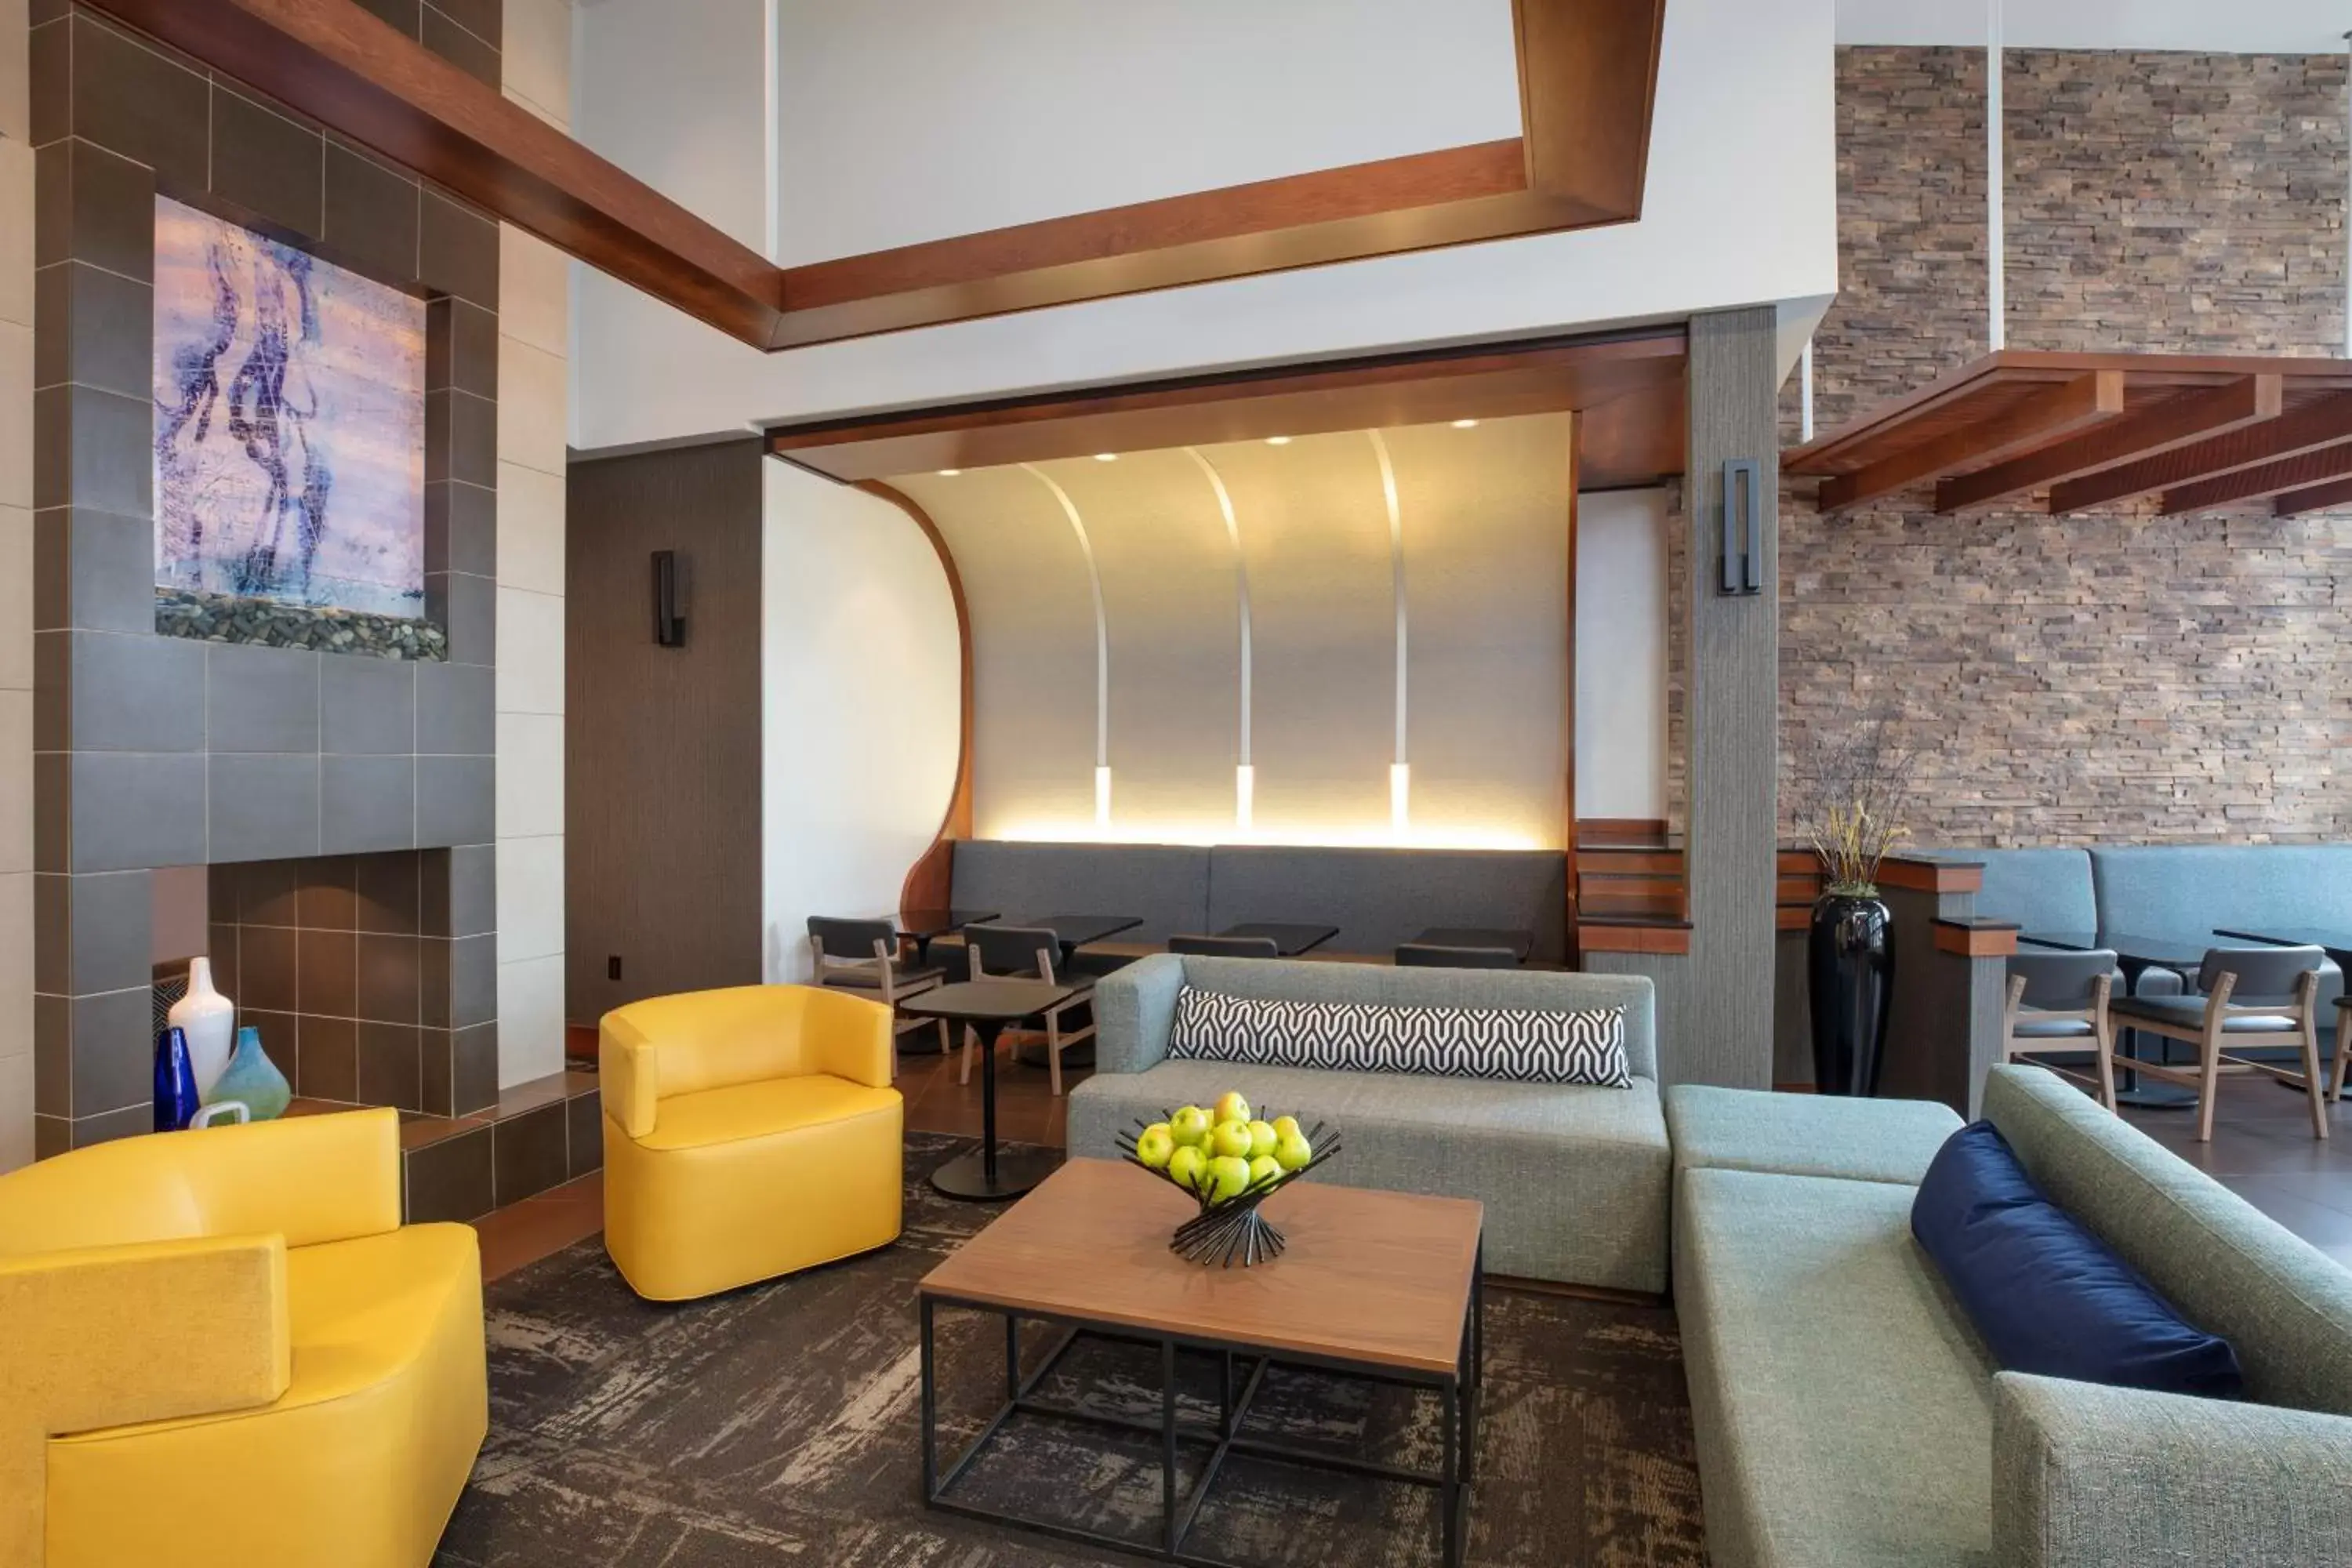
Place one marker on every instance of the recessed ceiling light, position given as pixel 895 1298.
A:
pixel 1465 423
pixel 1105 457
pixel 1278 440
pixel 949 473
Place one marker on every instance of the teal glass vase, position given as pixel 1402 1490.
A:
pixel 252 1079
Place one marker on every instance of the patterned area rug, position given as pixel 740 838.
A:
pixel 778 1423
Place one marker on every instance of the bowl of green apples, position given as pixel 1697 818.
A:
pixel 1228 1159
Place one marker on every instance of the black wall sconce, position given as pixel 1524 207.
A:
pixel 1743 537
pixel 672 582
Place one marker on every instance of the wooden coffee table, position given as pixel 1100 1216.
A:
pixel 1381 1286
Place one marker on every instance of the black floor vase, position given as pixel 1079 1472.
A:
pixel 1851 952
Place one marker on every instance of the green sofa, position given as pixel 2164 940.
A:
pixel 1847 1416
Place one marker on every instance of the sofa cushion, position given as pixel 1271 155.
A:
pixel 1164 886
pixel 2045 1294
pixel 762 1110
pixel 1505 1044
pixel 2283 1305
pixel 2192 889
pixel 1843 1408
pixel 1805 1135
pixel 2041 890
pixel 1573 1178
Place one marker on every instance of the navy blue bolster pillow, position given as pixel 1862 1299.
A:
pixel 2045 1294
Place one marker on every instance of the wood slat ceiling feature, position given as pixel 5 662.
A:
pixel 1588 84
pixel 1632 382
pixel 2294 503
pixel 2095 428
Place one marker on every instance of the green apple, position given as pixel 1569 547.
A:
pixel 1263 1168
pixel 1229 1174
pixel 1190 1126
pixel 1187 1166
pixel 1232 1139
pixel 1231 1107
pixel 1292 1150
pixel 1284 1126
pixel 1154 1144
pixel 1263 1138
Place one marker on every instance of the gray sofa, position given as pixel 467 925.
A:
pixel 1574 1178
pixel 1847 1416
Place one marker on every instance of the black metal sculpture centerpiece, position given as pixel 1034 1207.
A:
pixel 1229 1230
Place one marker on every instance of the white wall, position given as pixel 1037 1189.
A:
pixel 535 393
pixel 2266 26
pixel 860 706
pixel 1741 209
pixel 675 92
pixel 1620 654
pixel 880 98
pixel 15 595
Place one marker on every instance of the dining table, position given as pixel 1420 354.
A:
pixel 1074 931
pixel 2136 952
pixel 1289 938
pixel 987 1007
pixel 923 927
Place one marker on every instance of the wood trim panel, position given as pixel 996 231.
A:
pixel 1588 84
pixel 929 882
pixel 2321 423
pixel 1605 861
pixel 2262 481
pixel 1971 938
pixel 1613 832
pixel 2054 411
pixel 1540 376
pixel 1632 936
pixel 1574 879
pixel 2294 503
pixel 1930 876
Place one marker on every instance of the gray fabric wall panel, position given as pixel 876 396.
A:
pixel 1166 886
pixel 1380 897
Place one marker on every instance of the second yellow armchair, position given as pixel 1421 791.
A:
pixel 749 1132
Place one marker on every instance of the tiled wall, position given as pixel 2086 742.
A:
pixel 2120 675
pixel 15 593
pixel 372 978
pixel 534 383
pixel 156 752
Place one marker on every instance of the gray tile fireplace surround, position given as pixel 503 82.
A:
pixel 155 751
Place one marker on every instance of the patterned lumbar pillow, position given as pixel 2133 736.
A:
pixel 1510 1044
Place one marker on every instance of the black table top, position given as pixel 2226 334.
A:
pixel 1001 1000
pixel 924 924
pixel 2338 944
pixel 1520 943
pixel 1290 939
pixel 1076 930
pixel 2181 953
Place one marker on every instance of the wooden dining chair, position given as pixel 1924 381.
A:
pixel 862 957
pixel 1226 946
pixel 2058 1002
pixel 1026 952
pixel 2253 997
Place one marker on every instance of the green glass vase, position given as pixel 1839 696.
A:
pixel 253 1079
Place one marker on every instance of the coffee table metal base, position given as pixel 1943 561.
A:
pixel 1012 1172
pixel 1457 1391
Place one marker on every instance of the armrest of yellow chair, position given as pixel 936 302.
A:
pixel 628 1074
pixel 848 1037
pixel 107 1336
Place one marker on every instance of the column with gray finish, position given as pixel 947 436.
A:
pixel 1716 1005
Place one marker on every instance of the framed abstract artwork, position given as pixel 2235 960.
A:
pixel 290 425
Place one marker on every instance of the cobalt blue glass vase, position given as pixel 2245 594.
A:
pixel 175 1082
pixel 252 1077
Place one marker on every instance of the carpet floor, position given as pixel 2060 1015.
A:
pixel 779 1423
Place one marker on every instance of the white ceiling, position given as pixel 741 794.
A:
pixel 2216 26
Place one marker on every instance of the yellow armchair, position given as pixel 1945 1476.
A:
pixel 223 1347
pixel 749 1132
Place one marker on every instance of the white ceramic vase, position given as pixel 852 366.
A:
pixel 209 1020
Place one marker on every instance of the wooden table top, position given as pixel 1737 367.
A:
pixel 1377 1279
pixel 1006 1001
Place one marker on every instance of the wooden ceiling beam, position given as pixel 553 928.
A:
pixel 2317 498
pixel 2177 421
pixel 2317 424
pixel 2048 414
pixel 1588 82
pixel 2263 479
